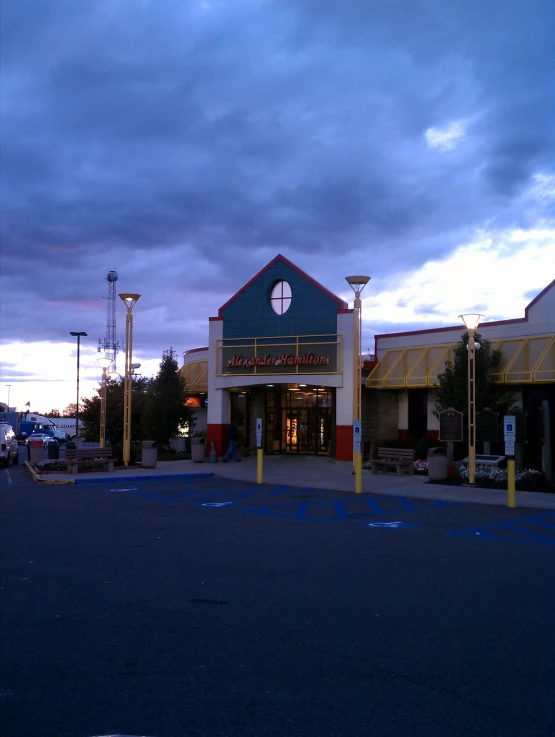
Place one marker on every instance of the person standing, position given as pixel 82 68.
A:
pixel 232 437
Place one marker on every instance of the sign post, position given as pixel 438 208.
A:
pixel 357 452
pixel 259 450
pixel 509 435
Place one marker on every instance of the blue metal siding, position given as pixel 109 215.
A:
pixel 312 312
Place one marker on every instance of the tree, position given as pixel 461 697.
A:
pixel 90 414
pixel 70 410
pixel 53 413
pixel 165 410
pixel 452 390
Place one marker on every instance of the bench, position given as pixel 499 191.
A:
pixel 400 459
pixel 74 455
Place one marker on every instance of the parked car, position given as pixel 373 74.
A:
pixel 39 436
pixel 9 447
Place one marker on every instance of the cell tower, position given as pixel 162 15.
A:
pixel 110 345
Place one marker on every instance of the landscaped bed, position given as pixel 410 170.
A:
pixel 488 477
pixel 60 466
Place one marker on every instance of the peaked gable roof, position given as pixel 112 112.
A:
pixel 341 305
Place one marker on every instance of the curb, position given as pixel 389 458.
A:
pixel 140 478
pixel 38 479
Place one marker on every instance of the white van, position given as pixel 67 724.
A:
pixel 9 447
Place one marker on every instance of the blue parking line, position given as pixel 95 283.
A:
pixel 373 505
pixel 522 535
pixel 279 489
pixel 340 510
pixel 522 531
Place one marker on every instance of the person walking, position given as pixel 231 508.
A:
pixel 232 437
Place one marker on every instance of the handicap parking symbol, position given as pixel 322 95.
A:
pixel 395 525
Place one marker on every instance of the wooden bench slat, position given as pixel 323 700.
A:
pixel 89 453
pixel 396 458
pixel 74 455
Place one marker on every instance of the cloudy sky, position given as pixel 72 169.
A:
pixel 187 142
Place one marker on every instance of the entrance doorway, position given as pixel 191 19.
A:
pixel 308 431
pixel 300 420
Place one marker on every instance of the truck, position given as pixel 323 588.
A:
pixel 26 423
pixel 66 426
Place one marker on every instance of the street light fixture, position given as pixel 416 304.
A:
pixel 129 299
pixel 105 365
pixel 471 322
pixel 78 336
pixel 357 284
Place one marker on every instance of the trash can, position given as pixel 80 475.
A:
pixel 52 450
pixel 198 450
pixel 149 454
pixel 437 464
pixel 177 444
pixel 36 451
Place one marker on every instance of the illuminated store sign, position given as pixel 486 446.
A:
pixel 282 355
pixel 285 359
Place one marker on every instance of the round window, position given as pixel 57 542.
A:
pixel 280 297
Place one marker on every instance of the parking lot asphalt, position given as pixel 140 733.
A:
pixel 185 606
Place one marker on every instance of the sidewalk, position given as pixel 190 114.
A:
pixel 310 472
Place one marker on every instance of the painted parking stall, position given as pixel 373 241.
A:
pixel 284 502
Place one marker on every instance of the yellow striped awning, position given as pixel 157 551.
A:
pixel 400 368
pixel 195 374
pixel 525 361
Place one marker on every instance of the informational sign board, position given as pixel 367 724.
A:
pixel 509 449
pixel 259 432
pixel 451 425
pixel 509 428
pixel 357 436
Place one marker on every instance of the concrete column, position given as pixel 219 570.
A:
pixel 344 393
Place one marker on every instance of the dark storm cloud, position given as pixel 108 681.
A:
pixel 186 143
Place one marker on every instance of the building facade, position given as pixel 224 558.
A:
pixel 408 364
pixel 281 349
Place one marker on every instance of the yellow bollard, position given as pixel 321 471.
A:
pixel 259 457
pixel 358 473
pixel 511 486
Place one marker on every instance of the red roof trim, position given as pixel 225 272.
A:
pixel 345 311
pixel 495 323
pixel 194 350
pixel 342 305
pixel 538 297
pixel 214 319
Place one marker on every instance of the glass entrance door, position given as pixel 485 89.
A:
pixel 309 427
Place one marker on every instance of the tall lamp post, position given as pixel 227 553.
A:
pixel 357 284
pixel 78 336
pixel 129 301
pixel 9 387
pixel 471 323
pixel 105 365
